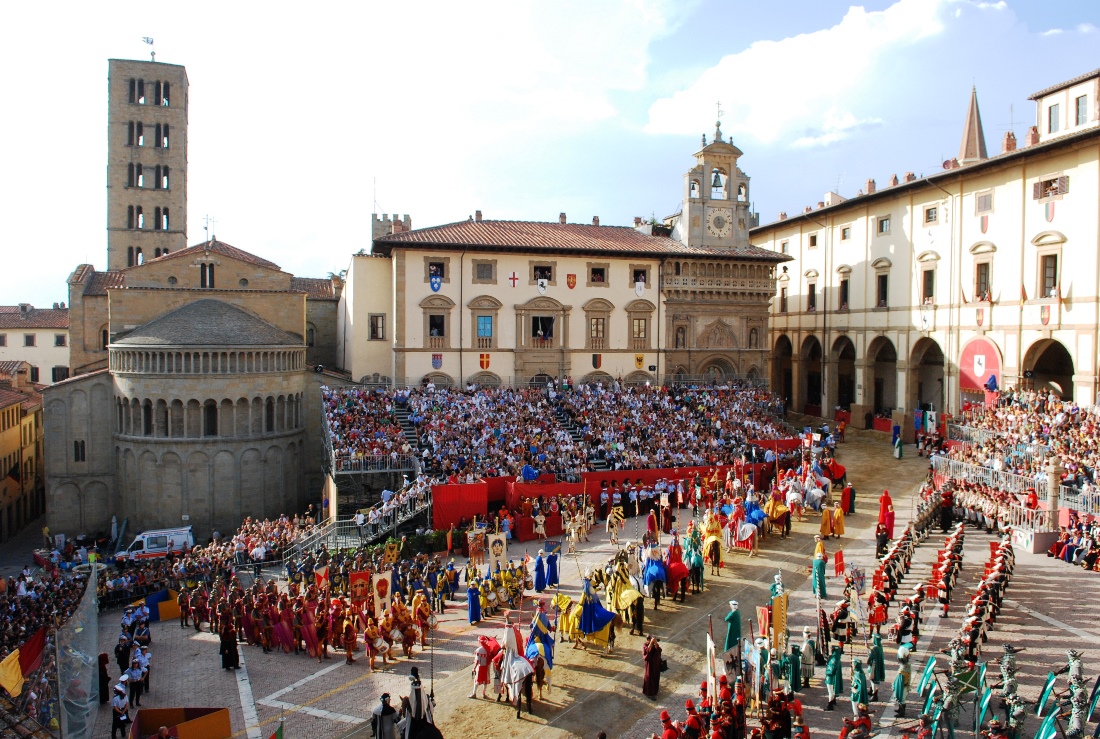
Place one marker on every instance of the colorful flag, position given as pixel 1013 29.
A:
pixel 1023 294
pixel 30 653
pixel 321 576
pixel 278 732
pixel 11 677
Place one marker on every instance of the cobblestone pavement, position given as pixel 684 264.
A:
pixel 595 691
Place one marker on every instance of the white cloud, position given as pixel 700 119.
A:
pixel 1086 28
pixel 808 87
pixel 835 127
pixel 1053 32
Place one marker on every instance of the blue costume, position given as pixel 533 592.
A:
pixel 473 606
pixel 541 636
pixel 594 617
pixel 552 570
pixel 654 570
pixel 540 574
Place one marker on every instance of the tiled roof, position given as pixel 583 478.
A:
pixel 561 237
pixel 314 287
pixel 1064 85
pixel 35 318
pixel 10 397
pixel 216 247
pixel 208 322
pixel 100 281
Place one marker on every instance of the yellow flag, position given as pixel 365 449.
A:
pixel 11 674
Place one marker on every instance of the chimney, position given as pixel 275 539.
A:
pixel 25 309
pixel 952 163
pixel 807 209
pixel 595 220
pixel 909 177
pixel 870 187
pixel 477 216
pixel 859 193
pixel 893 180
pixel 1008 143
pixel 561 218
pixel 56 306
pixel 820 204
pixel 637 221
pixel 782 215
pixel 1032 137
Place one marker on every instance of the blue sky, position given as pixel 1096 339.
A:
pixel 301 119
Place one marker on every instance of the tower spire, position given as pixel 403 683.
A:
pixel 972 148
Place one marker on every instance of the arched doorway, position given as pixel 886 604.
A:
pixel 717 370
pixel 543 379
pixel 883 357
pixel 810 359
pixel 782 375
pixel 844 355
pixel 1048 365
pixel 926 376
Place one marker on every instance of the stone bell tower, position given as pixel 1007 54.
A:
pixel 715 210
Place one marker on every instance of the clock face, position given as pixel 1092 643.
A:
pixel 719 222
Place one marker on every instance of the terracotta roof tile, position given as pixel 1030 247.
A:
pixel 1065 84
pixel 314 287
pixel 10 397
pixel 100 281
pixel 561 237
pixel 35 318
pixel 216 247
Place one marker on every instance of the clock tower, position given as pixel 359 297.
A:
pixel 715 210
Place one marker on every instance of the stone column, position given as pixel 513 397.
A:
pixel 830 387
pixel 798 385
pixel 1054 484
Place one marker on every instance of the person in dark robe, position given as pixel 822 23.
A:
pixel 231 658
pixel 637 617
pixel 104 678
pixel 651 681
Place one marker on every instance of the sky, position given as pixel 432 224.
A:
pixel 304 119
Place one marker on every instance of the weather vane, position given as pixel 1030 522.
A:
pixel 152 52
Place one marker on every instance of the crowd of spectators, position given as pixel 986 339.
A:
pixel 651 426
pixel 363 422
pixel 475 432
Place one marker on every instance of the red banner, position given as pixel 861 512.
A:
pixel 451 502
pixel 838 564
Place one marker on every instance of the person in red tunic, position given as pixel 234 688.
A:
pixel 651 681
pixel 668 731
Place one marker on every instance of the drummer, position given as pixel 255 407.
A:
pixel 376 645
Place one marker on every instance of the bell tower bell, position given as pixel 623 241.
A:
pixel 715 210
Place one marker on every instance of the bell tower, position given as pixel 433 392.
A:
pixel 715 209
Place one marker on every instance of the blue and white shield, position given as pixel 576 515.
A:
pixel 437 361
pixel 436 281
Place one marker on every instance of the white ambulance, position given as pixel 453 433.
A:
pixel 158 543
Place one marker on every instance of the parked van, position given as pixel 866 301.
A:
pixel 158 543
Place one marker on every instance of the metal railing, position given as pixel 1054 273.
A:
pixel 1079 500
pixel 1028 519
pixel 1016 484
pixel 973 435
pixel 375 463
pixel 342 533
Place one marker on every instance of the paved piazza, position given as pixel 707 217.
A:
pixel 1047 611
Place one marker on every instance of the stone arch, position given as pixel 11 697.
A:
pixel 843 380
pixel 251 481
pixel 97 507
pixel 598 305
pixel 717 369
pixel 810 359
pixel 65 508
pixel 640 305
pixel 599 376
pixel 485 302
pixel 147 491
pixel 783 368
pixel 1048 364
pixel 541 302
pixel 882 357
pixel 926 378
pixel 225 500
pixel 754 374
pixel 198 502
pixel 440 379
pixel 717 335
pixel 639 377
pixel 169 505
pixel 485 379
pixel 274 480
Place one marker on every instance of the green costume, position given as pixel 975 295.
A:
pixel 901 683
pixel 733 629
pixel 794 668
pixel 876 661
pixel 859 693
pixel 834 676
pixel 819 578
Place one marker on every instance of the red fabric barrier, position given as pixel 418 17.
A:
pixel 762 473
pixel 520 490
pixel 498 488
pixel 884 424
pixel 451 502
pixel 778 444
pixel 525 527
pixel 845 416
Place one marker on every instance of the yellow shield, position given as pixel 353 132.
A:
pixel 639 360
